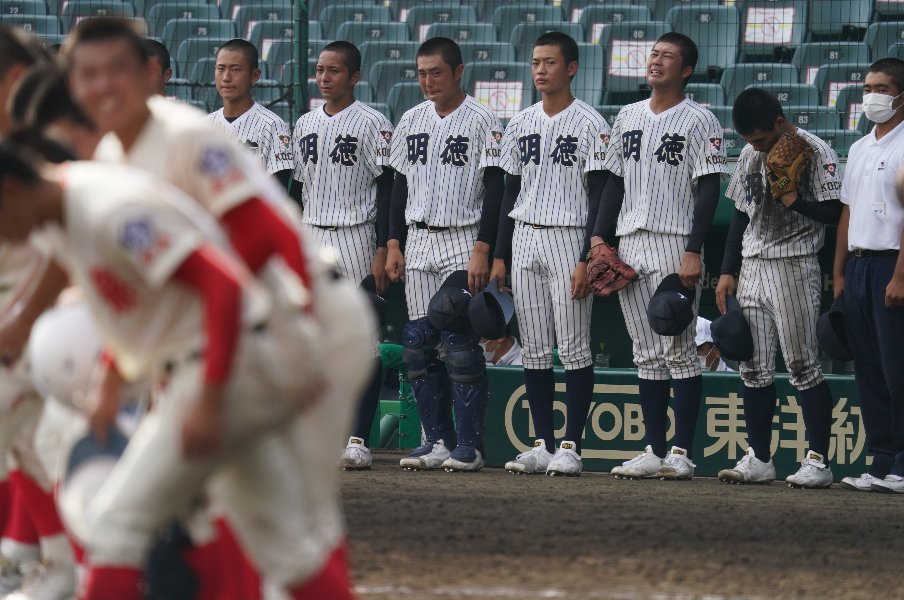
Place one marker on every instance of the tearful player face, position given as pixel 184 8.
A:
pixel 665 67
pixel 550 72
pixel 440 83
pixel 234 76
pixel 110 83
pixel 334 80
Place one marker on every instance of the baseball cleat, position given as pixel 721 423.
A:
pixel 48 581
pixel 535 460
pixel 430 456
pixel 860 484
pixel 565 462
pixel 463 459
pixel 749 469
pixel 676 466
pixel 356 456
pixel 813 473
pixel 642 466
pixel 892 484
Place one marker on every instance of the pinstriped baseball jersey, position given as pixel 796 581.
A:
pixel 442 157
pixel 265 133
pixel 659 157
pixel 552 155
pixel 338 159
pixel 775 231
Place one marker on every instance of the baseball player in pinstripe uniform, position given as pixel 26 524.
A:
pixel 446 196
pixel 779 286
pixel 341 151
pixel 554 154
pixel 237 69
pixel 666 161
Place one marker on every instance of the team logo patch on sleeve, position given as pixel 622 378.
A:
pixel 715 143
pixel 831 169
pixel 140 237
pixel 497 136
pixel 285 142
pixel 604 138
pixel 387 135
pixel 217 164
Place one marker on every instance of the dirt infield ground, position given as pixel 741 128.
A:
pixel 492 535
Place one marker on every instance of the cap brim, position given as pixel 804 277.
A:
pixel 505 300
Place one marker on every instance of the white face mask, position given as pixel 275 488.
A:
pixel 488 356
pixel 877 107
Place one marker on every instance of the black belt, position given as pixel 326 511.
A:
pixel 429 228
pixel 327 227
pixel 535 226
pixel 871 253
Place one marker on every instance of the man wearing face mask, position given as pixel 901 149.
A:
pixel 707 353
pixel 504 351
pixel 869 271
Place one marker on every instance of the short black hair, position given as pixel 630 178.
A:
pixel 893 67
pixel 25 90
pixel 102 29
pixel 51 101
pixel 16 48
pixel 755 109
pixel 566 44
pixel 350 54
pixel 444 47
pixel 157 50
pixel 686 48
pixel 39 144
pixel 246 48
pixel 17 161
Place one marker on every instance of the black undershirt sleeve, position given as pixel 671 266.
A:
pixel 610 205
pixel 292 187
pixel 596 183
pixel 494 182
pixel 704 210
pixel 384 198
pixel 397 228
pixel 731 261
pixel 506 223
pixel 828 211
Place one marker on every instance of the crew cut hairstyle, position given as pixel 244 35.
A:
pixel 103 29
pixel 444 47
pixel 893 67
pixel 755 109
pixel 686 48
pixel 566 44
pixel 157 50
pixel 351 56
pixel 246 48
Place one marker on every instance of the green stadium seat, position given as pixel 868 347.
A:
pixel 881 36
pixel 486 52
pixel 706 94
pixel 23 7
pixel 230 8
pixel 896 51
pixel 609 112
pixel 505 88
pixel 387 73
pixel 506 16
pixel 402 8
pixel 573 9
pixel 74 11
pixel 523 35
pixel 464 32
pixel 770 26
pixel 267 91
pixel 159 15
pixel 373 52
pixel 41 25
pixel 812 117
pixel 733 142
pixel 286 73
pixel 832 77
pixel 180 89
pixel 864 125
pixel 739 76
pixel 589 82
pixel 888 10
pixel 144 7
pixel 810 56
pixel 628 46
pixel 849 105
pixel 358 33
pixel 403 96
pixel 285 112
pixel 202 72
pixel 383 108
pixel 839 19
pixel 792 94
pixel 333 17
pixel 723 114
pixel 317 7
pixel 839 139
pixel 192 50
pixel 178 30
pixel 487 9
pixel 661 8
pixel 596 17
pixel 281 51
pixel 715 29
pixel 255 12
pixel 422 16
pixel 264 34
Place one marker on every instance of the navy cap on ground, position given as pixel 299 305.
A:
pixel 831 332
pixel 671 308
pixel 731 333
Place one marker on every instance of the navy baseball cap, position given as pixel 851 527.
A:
pixel 731 333
pixel 490 312
pixel 831 332
pixel 448 308
pixel 671 308
pixel 369 286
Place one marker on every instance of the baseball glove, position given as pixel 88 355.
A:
pixel 786 162
pixel 606 272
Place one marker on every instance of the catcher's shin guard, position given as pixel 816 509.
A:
pixel 467 370
pixel 429 380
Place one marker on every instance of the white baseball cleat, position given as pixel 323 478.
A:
pixel 463 463
pixel 426 457
pixel 535 460
pixel 642 466
pixel 676 466
pixel 749 469
pixel 859 484
pixel 356 456
pixel 47 581
pixel 892 484
pixel 813 473
pixel 566 461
